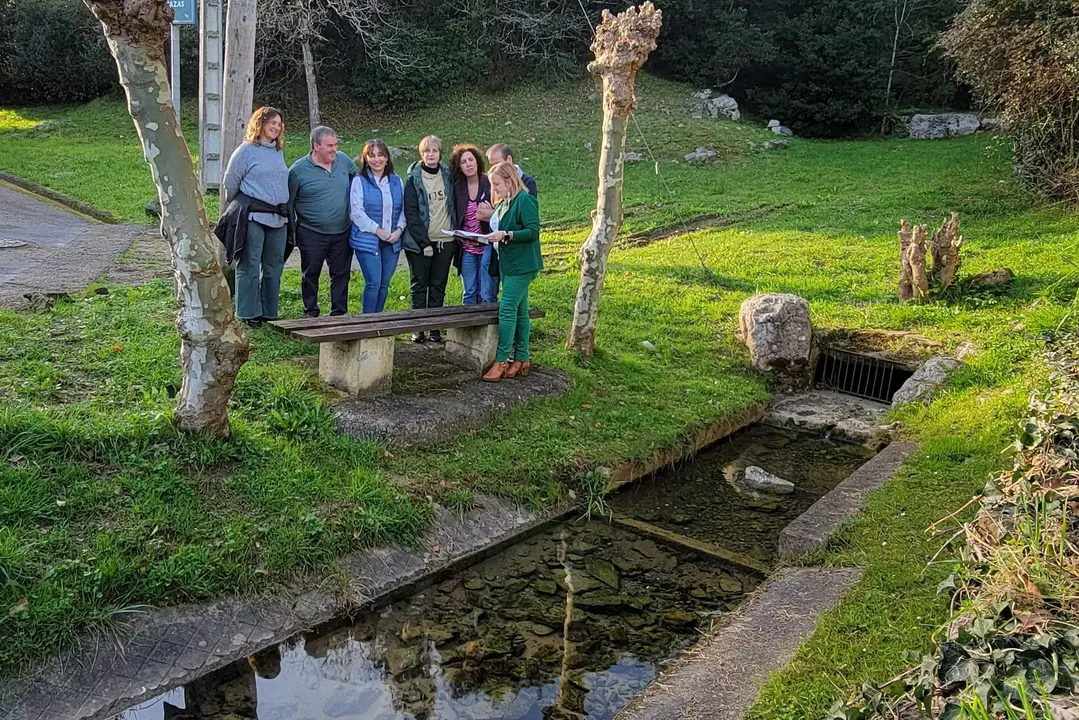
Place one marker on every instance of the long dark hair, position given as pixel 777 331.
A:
pixel 455 160
pixel 375 144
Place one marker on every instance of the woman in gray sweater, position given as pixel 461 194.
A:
pixel 257 169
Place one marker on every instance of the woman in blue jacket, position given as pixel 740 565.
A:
pixel 378 220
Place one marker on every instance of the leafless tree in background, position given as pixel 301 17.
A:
pixel 292 27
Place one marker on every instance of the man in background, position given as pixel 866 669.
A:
pixel 500 152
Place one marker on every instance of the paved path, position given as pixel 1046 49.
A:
pixel 64 251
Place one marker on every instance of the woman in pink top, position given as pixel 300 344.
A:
pixel 472 195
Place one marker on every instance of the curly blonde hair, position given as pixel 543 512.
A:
pixel 258 120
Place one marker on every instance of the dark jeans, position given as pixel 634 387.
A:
pixel 315 249
pixel 430 275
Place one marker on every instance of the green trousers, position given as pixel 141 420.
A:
pixel 514 325
pixel 258 272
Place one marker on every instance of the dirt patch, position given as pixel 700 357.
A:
pixel 434 400
pixel 147 259
pixel 710 220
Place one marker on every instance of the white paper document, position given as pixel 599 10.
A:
pixel 478 237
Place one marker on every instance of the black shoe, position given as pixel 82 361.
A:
pixel 419 337
pixel 311 314
pixel 253 322
pixel 436 336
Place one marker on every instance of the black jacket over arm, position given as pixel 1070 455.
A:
pixel 231 227
pixel 414 222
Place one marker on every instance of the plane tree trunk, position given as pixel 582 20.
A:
pixel 213 344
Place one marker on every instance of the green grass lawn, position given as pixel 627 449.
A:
pixel 103 506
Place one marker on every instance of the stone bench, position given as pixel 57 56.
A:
pixel 356 351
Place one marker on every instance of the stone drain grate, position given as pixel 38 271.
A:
pixel 861 375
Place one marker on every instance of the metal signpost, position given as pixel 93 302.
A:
pixel 211 81
pixel 183 13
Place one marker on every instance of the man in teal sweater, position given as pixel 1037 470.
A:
pixel 318 185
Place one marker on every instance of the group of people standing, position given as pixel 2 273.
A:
pixel 333 207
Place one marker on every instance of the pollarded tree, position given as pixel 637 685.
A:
pixel 622 44
pixel 213 344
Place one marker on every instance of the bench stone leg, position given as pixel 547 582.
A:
pixel 472 347
pixel 359 367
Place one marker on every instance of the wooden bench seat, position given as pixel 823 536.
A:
pixel 356 351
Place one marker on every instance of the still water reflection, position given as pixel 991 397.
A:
pixel 496 641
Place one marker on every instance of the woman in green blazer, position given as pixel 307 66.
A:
pixel 517 217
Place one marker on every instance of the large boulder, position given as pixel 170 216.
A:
pixel 701 156
pixel 930 376
pixel 776 329
pixel 722 106
pixel 779 128
pixel 932 127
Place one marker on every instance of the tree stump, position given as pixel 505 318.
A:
pixel 621 46
pixel 913 276
pixel 944 248
pixel 906 292
pixel 213 345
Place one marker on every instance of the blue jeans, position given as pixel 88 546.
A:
pixel 488 284
pixel 471 276
pixel 377 269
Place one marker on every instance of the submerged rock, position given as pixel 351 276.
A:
pixel 547 587
pixel 603 571
pixel 539 629
pixel 760 479
pixel 679 618
pixel 599 600
pixel 730 585
pixel 401 660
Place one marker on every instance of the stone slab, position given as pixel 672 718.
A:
pixel 720 678
pixel 832 414
pixel 812 529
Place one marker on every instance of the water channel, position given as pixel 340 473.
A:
pixel 572 622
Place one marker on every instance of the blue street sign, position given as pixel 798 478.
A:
pixel 185 12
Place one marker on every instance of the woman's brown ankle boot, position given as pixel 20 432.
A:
pixel 496 372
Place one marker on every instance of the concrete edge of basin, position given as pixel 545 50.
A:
pixel 721 677
pixel 168 647
pixel 56 198
pixel 812 529
pixel 631 471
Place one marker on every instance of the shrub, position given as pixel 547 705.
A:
pixel 822 66
pixel 52 51
pixel 1020 57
